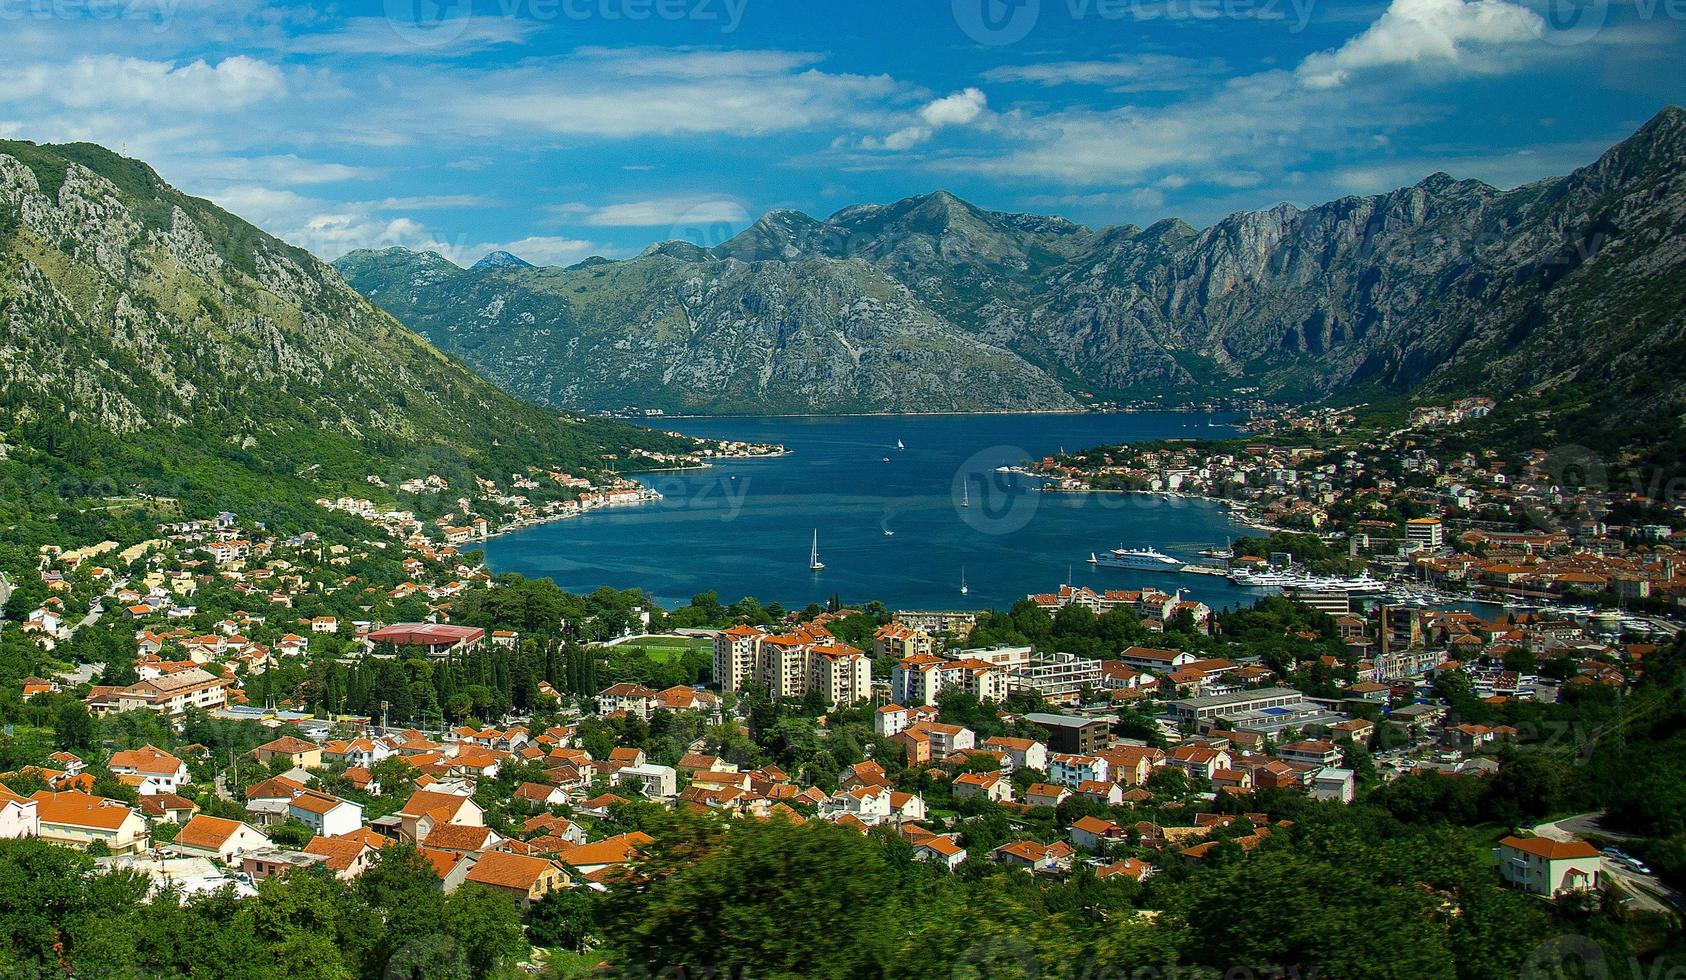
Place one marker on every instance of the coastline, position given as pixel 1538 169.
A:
pixel 1236 510
pixel 708 463
pixel 646 495
pixel 865 415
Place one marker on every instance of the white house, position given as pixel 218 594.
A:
pixel 1093 833
pixel 868 804
pixel 890 720
pixel 214 837
pixel 150 770
pixel 657 782
pixel 1021 753
pixel 19 816
pixel 1550 867
pixel 326 815
pixel 940 849
pixel 1333 784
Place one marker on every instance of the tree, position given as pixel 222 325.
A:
pixel 394 775
pixel 73 728
pixel 762 883
pixel 1252 913
pixel 487 926
pixel 563 919
pixel 402 885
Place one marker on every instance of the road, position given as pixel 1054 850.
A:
pixel 1647 893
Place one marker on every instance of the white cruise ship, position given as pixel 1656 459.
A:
pixel 1143 558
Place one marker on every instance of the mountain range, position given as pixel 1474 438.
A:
pixel 933 304
pixel 153 345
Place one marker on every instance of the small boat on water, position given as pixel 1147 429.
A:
pixel 814 563
pixel 963 588
pixel 966 494
pixel 900 444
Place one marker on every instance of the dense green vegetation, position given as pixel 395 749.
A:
pixel 1400 884
pixel 61 916
pixel 166 358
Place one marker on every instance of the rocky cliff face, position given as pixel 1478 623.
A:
pixel 932 303
pixel 687 332
pixel 152 341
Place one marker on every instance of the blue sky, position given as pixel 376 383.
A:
pixel 560 129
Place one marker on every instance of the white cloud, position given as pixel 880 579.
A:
pixel 100 81
pixel 430 202
pixel 697 62
pixel 657 212
pixel 384 36
pixel 1270 122
pixel 329 229
pixel 1460 33
pixel 1507 169
pixel 627 94
pixel 1132 73
pixel 960 109
pixel 284 168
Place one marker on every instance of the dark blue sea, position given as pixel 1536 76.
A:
pixel 746 528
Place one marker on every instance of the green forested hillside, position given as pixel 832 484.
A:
pixel 153 345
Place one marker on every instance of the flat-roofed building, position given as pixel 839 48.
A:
pixel 1266 711
pixel 1193 711
pixel 1071 733
pixel 1157 660
pixel 1057 677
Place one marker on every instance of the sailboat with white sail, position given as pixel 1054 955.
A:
pixel 814 563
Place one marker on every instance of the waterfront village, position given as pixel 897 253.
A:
pixel 220 705
pixel 1436 518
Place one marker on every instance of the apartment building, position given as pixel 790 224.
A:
pixel 790 664
pixel 1057 677
pixel 919 679
pixel 899 640
pixel 170 695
